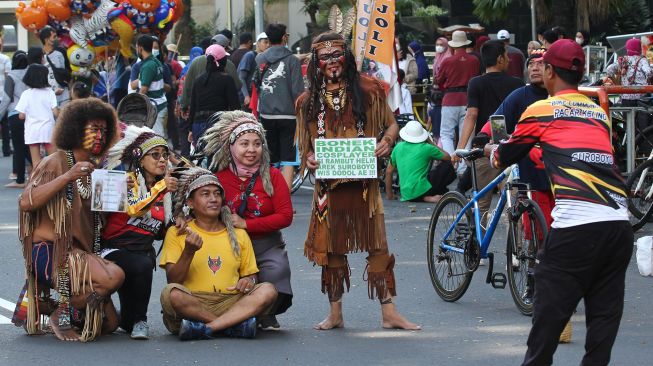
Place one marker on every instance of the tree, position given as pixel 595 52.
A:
pixel 558 12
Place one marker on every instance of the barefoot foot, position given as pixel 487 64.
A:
pixel 330 322
pixel 62 334
pixel 393 320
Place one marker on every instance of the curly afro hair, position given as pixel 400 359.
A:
pixel 69 131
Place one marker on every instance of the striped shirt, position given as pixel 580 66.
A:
pixel 575 137
pixel 151 76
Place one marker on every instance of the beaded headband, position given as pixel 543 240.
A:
pixel 328 44
pixel 242 129
pixel 150 141
pixel 202 181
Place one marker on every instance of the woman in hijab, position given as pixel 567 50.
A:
pixel 422 65
pixel 194 52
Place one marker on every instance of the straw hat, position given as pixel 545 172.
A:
pixel 459 39
pixel 413 132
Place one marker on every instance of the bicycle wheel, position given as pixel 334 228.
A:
pixel 298 179
pixel 526 234
pixel 638 186
pixel 450 271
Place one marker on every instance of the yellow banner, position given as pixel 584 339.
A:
pixel 375 29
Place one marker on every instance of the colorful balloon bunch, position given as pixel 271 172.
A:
pixel 100 25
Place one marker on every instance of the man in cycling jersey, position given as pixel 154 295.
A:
pixel 588 249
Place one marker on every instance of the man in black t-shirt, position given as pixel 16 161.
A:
pixel 484 94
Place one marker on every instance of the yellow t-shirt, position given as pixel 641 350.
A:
pixel 214 266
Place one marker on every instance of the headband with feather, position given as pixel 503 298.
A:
pixel 128 152
pixel 227 127
pixel 193 178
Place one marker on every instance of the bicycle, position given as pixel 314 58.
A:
pixel 456 242
pixel 640 192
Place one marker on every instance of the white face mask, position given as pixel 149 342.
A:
pixel 579 40
pixel 155 53
pixel 439 49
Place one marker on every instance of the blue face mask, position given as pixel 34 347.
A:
pixel 155 53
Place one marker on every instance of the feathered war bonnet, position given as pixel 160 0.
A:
pixel 129 151
pixel 193 178
pixel 224 132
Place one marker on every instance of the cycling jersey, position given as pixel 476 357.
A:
pixel 574 134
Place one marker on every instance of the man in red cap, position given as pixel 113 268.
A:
pixel 590 243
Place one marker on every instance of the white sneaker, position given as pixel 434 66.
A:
pixel 141 331
pixel 482 262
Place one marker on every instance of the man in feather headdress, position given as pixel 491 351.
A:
pixel 210 266
pixel 347 213
pixel 60 234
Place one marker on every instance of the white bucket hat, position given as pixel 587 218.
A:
pixel 459 39
pixel 413 132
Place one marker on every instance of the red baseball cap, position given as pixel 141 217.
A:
pixel 566 54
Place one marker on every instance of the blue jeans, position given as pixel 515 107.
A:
pixel 198 129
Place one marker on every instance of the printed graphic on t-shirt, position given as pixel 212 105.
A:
pixel 215 264
pixel 151 225
pixel 269 83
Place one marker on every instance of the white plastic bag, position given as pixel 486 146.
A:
pixel 644 255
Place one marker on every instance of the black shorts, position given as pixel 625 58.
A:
pixel 280 134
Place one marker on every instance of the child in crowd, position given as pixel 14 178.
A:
pixel 412 157
pixel 79 90
pixel 38 107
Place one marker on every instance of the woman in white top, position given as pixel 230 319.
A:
pixel 630 70
pixel 38 107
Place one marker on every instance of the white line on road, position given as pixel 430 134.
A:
pixel 4 320
pixel 7 305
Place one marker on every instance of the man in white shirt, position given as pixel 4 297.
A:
pixel 54 58
pixel 5 67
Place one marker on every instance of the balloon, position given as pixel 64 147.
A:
pixel 164 14
pixel 82 7
pixel 32 17
pixel 58 10
pixel 84 29
pixel 179 10
pixel 125 29
pixel 80 58
pixel 146 6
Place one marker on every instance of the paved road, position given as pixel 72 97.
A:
pixel 484 326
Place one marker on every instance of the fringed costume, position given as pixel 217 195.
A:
pixel 64 263
pixel 347 214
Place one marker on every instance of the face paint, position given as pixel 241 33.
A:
pixel 326 61
pixel 94 139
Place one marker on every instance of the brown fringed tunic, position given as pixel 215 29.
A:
pixel 73 233
pixel 354 218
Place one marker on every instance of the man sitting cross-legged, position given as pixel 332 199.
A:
pixel 211 268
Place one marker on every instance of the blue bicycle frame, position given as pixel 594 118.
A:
pixel 484 241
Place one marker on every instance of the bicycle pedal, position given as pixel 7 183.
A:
pixel 498 280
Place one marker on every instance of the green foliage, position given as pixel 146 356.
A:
pixel 492 10
pixel 622 13
pixel 429 11
pixel 206 29
pixel 407 7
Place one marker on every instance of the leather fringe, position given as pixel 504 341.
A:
pixel 334 280
pixel 381 284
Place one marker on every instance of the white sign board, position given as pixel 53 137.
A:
pixel 109 190
pixel 346 158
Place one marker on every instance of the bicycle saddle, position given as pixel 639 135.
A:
pixel 470 155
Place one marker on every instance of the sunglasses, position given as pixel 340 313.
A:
pixel 158 155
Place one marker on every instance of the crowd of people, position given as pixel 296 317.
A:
pixel 255 112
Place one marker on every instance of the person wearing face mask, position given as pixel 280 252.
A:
pixel 583 38
pixel 347 214
pixel 150 81
pixel 442 52
pixel 55 61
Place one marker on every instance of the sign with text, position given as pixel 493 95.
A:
pixel 346 158
pixel 109 190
